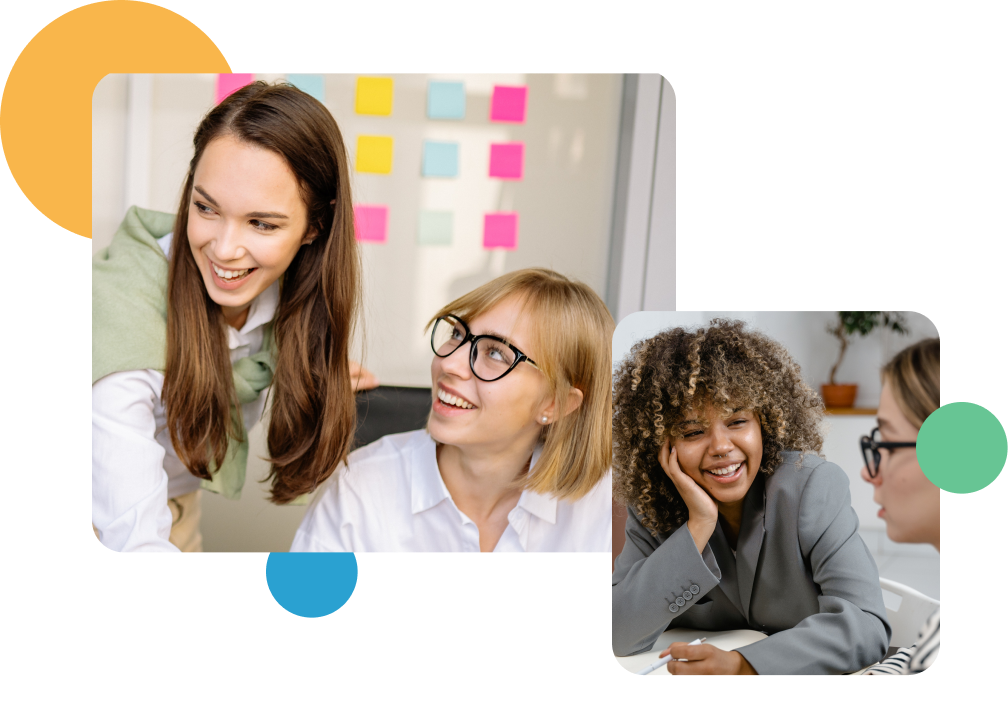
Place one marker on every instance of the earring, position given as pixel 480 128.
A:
pixel 545 420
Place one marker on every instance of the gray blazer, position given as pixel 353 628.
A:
pixel 802 575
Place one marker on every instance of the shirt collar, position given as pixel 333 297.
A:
pixel 263 308
pixel 428 488
pixel 542 506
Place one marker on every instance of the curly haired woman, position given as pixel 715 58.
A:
pixel 734 521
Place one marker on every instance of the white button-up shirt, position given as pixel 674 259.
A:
pixel 134 468
pixel 390 497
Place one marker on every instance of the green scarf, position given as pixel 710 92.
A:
pixel 129 322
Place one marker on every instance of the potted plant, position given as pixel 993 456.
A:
pixel 847 324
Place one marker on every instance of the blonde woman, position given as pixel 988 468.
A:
pixel 517 449
pixel 910 502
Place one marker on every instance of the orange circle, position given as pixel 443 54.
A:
pixel 45 115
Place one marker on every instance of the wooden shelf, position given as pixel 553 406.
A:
pixel 851 411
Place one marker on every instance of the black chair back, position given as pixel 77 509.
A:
pixel 387 410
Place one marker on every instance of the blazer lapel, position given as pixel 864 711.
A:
pixel 729 574
pixel 750 541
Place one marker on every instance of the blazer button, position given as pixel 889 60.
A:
pixel 695 589
pixel 680 602
pixel 673 608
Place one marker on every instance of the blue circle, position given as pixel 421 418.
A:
pixel 311 584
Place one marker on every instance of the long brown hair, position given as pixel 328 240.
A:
pixel 313 415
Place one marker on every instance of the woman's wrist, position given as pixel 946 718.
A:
pixel 701 530
pixel 744 667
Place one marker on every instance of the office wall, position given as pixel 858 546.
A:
pixel 804 335
pixel 642 264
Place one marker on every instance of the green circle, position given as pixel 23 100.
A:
pixel 962 447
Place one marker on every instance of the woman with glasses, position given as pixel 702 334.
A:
pixel 734 521
pixel 910 502
pixel 517 449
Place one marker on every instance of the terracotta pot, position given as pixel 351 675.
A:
pixel 839 396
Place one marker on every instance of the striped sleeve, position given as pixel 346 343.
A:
pixel 895 664
pixel 927 644
pixel 915 659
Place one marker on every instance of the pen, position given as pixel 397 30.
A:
pixel 665 660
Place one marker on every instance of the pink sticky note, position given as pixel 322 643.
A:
pixel 227 83
pixel 500 230
pixel 507 104
pixel 507 160
pixel 371 223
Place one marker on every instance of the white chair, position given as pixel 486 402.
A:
pixel 907 610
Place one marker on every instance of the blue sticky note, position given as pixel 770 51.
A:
pixel 314 85
pixel 445 100
pixel 440 159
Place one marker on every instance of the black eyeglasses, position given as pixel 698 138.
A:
pixel 870 450
pixel 490 358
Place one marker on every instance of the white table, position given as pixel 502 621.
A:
pixel 721 639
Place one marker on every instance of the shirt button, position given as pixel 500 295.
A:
pixel 680 602
pixel 687 595
pixel 673 608
pixel 695 589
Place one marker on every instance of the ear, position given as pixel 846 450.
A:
pixel 574 399
pixel 309 236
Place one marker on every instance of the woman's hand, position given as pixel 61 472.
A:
pixel 703 511
pixel 361 378
pixel 705 660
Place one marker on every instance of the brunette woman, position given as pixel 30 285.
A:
pixel 251 288
pixel 735 522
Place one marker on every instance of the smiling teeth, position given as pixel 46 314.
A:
pixel 730 470
pixel 449 399
pixel 229 275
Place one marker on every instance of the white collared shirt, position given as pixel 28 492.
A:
pixel 390 497
pixel 134 468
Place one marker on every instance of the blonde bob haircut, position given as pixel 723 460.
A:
pixel 571 342
pixel 913 377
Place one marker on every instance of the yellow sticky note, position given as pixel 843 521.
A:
pixel 374 154
pixel 374 96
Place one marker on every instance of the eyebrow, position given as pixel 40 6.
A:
pixel 497 334
pixel 256 215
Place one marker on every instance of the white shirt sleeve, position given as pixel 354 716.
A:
pixel 129 485
pixel 331 521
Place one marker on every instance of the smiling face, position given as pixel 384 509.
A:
pixel 468 412
pixel 721 454
pixel 246 222
pixel 910 502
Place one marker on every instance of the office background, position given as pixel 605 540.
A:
pixel 595 201
pixel 804 335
